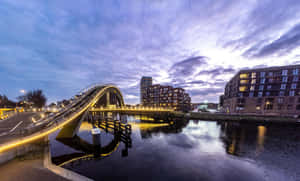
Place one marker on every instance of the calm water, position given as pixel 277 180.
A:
pixel 192 150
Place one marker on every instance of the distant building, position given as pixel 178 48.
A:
pixel 145 83
pixel 167 96
pixel 267 91
pixel 205 107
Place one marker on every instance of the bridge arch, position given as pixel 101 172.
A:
pixel 68 119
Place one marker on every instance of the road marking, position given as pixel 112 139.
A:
pixel 16 126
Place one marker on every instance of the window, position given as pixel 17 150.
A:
pixel 284 72
pixel 295 71
pixel 269 103
pixel 243 88
pixel 269 87
pixel 261 87
pixel 298 107
pixel 244 81
pixel 252 88
pixel 253 75
pixel 243 76
pixel 240 95
pixel 262 81
pixel 291 93
pixel 281 93
pixel 295 79
pixel 260 94
pixel 262 74
pixel 270 73
pixel 293 86
pixel 267 93
pixel 283 86
pixel 257 107
pixel 289 107
pixel 284 79
pixel 253 81
pixel 271 80
pixel 280 100
pixel 251 94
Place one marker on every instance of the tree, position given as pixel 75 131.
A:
pixel 36 97
pixel 5 102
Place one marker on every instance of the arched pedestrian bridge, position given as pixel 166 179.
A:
pixel 70 117
pixel 95 96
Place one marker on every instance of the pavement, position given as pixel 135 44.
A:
pixel 29 167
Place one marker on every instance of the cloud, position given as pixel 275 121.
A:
pixel 288 42
pixel 62 46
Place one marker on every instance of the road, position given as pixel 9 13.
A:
pixel 15 124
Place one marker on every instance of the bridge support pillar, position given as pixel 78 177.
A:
pixel 107 99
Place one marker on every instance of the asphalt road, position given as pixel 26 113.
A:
pixel 15 123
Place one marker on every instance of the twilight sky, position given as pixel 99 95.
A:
pixel 64 46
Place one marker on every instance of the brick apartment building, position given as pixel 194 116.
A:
pixel 165 96
pixel 267 91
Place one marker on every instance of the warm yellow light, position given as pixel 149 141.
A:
pixel 39 135
pixel 243 76
pixel 243 88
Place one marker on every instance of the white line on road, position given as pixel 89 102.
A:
pixel 16 126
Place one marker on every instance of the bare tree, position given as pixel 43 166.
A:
pixel 36 97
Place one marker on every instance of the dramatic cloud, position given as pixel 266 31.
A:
pixel 64 46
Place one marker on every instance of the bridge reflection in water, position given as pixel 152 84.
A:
pixel 116 125
pixel 121 134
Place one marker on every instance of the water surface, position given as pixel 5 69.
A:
pixel 187 150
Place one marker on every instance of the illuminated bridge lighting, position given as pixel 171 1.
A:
pixel 133 109
pixel 89 102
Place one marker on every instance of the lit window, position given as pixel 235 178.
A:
pixel 292 93
pixel 270 74
pixel 242 76
pixel 251 94
pixel 243 88
pixel 262 74
pixel 284 79
pixel 269 87
pixel 284 72
pixel 253 81
pixel 253 75
pixel 261 87
pixel 262 81
pixel 244 81
pixel 267 93
pixel 260 94
pixel 257 107
pixel 295 79
pixel 283 86
pixel 280 100
pixel 294 86
pixel 295 71
pixel 281 93
pixel 252 88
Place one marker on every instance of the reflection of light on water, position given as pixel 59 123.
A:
pixel 145 126
pixel 261 133
pixel 206 135
pixel 85 126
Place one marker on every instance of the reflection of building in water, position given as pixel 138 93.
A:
pixel 175 126
pixel 243 139
pixel 89 151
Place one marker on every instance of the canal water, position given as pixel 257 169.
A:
pixel 184 150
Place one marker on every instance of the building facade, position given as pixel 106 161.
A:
pixel 266 91
pixel 144 84
pixel 165 96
